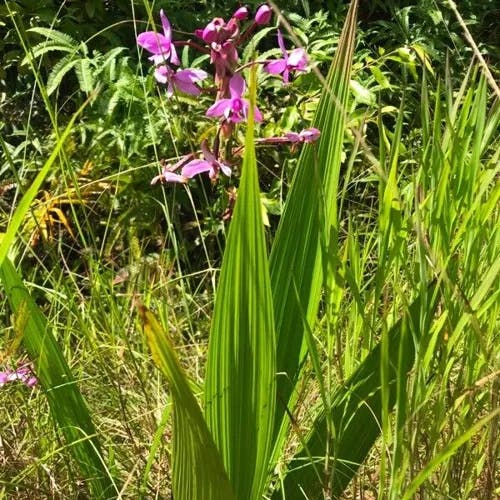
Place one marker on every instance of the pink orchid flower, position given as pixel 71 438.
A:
pixel 234 109
pixel 161 46
pixel 308 135
pixel 168 172
pixel 209 164
pixel 23 374
pixel 184 80
pixel 295 61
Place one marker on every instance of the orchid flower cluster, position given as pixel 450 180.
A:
pixel 221 40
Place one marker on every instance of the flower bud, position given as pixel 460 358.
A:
pixel 263 15
pixel 241 14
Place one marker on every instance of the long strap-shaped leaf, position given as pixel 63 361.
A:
pixel 309 222
pixel 66 402
pixel 198 473
pixel 357 410
pixel 240 382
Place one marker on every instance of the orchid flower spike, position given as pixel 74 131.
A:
pixel 209 164
pixel 184 80
pixel 161 46
pixel 234 109
pixel 295 61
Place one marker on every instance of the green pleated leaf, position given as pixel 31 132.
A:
pixel 198 472
pixel 240 382
pixel 308 227
pixel 67 405
pixel 356 411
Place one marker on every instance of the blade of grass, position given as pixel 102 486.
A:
pixel 66 402
pixel 240 385
pixel 446 453
pixel 357 410
pixel 198 472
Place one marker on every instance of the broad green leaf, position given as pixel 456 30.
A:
pixel 308 227
pixel 66 402
pixel 198 473
pixel 356 410
pixel 240 385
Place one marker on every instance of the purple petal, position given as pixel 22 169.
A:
pixel 185 80
pixel 276 67
pixel 207 153
pixel 173 177
pixel 281 44
pixel 154 42
pixel 286 74
pixel 174 58
pixel 212 29
pixel 218 108
pixel 195 167
pixel 310 134
pixel 167 176
pixel 191 75
pixel 187 87
pixel 209 33
pixel 236 86
pixel 226 169
pixel 257 115
pixel 297 59
pixel 161 74
pixel 167 29
pixel 293 136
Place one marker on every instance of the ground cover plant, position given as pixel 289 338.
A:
pixel 262 264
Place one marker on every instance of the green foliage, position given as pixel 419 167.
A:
pixel 67 405
pixel 380 377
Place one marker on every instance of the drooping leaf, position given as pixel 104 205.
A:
pixel 198 472
pixel 240 385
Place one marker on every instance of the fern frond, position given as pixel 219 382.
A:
pixel 85 75
pixel 56 36
pixel 59 71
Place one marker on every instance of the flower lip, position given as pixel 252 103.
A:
pixel 234 109
pixel 183 80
